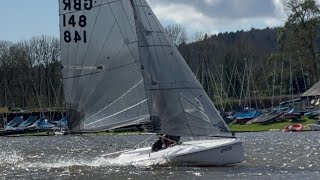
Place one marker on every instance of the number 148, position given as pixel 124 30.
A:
pixel 76 36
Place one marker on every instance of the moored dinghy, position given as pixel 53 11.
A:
pixel 293 128
pixel 121 69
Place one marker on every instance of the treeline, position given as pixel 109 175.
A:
pixel 246 67
pixel 30 73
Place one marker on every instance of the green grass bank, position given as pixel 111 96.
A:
pixel 267 127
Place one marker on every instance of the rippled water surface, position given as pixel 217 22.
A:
pixel 271 155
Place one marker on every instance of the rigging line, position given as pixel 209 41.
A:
pixel 135 147
pixel 291 79
pixel 123 95
pixel 220 81
pixel 38 98
pixel 125 12
pixel 214 82
pixel 125 122
pixel 282 67
pixel 211 84
pixel 83 75
pixel 208 81
pixel 154 47
pixel 238 76
pixel 24 92
pixel 57 97
pixel 304 81
pixel 273 83
pixel 157 32
pixel 98 57
pixel 144 141
pixel 226 93
pixel 231 85
pixel 201 110
pixel 223 92
pixel 80 106
pixel 162 30
pixel 137 25
pixel 304 78
pixel 72 83
pixel 115 22
pixel 213 76
pixel 242 83
pixel 102 119
pixel 5 122
pixel 265 78
pixel 133 31
pixel 76 82
pixel 157 45
pixel 188 123
pixel 159 89
pixel 254 86
pixel 12 103
pixel 48 98
pixel 200 118
pixel 94 26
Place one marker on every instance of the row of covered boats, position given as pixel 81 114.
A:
pixel 33 123
pixel 286 110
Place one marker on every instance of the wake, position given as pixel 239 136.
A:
pixel 16 160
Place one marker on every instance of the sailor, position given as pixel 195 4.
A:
pixel 169 140
pixel 157 145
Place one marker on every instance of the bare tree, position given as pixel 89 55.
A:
pixel 177 33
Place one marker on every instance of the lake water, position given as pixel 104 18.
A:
pixel 270 155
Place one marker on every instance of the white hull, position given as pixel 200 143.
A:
pixel 222 152
pixel 314 127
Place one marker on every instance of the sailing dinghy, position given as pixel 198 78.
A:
pixel 120 68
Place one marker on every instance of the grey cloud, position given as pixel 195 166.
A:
pixel 227 9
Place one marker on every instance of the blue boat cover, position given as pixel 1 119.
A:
pixel 62 123
pixel 43 123
pixel 247 114
pixel 28 122
pixel 15 122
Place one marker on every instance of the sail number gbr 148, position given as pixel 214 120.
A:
pixel 71 20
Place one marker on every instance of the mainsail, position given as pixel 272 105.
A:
pixel 120 68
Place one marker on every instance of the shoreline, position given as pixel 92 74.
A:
pixel 276 126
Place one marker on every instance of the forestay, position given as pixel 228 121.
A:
pixel 121 68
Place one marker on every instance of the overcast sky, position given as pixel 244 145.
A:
pixel 22 19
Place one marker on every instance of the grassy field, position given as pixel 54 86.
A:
pixel 267 127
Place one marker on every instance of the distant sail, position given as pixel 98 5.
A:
pixel 120 68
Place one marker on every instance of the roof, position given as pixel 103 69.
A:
pixel 313 91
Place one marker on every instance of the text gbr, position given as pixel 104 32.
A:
pixel 78 5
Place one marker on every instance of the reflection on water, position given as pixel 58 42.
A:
pixel 273 155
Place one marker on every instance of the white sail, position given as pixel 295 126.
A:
pixel 103 84
pixel 120 68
